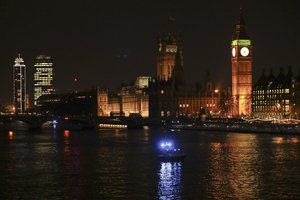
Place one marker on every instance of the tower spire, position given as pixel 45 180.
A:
pixel 240 28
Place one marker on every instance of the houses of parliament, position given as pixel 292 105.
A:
pixel 269 98
pixel 167 94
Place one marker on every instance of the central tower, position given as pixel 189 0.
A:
pixel 167 47
pixel 241 60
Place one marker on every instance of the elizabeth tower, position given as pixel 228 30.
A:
pixel 241 59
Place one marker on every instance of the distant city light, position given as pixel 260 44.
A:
pixel 66 133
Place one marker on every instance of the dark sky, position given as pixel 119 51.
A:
pixel 106 42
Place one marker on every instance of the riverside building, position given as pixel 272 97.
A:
pixel 276 97
pixel 19 85
pixel 43 77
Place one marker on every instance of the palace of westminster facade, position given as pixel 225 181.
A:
pixel 167 95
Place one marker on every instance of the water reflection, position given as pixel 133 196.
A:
pixel 169 186
pixel 72 165
pixel 233 169
pixel 282 140
pixel 66 133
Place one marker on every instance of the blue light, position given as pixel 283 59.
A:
pixel 167 145
pixel 54 123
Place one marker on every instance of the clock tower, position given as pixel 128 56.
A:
pixel 167 47
pixel 241 61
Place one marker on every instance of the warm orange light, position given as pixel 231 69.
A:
pixel 278 105
pixel 66 118
pixel 67 133
pixel 294 140
pixel 117 132
pixel 216 91
pixel 278 140
pixel 11 135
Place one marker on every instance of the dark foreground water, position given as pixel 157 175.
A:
pixel 121 164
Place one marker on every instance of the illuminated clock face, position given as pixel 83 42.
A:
pixel 233 51
pixel 171 48
pixel 244 51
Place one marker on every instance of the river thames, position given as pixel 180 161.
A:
pixel 122 164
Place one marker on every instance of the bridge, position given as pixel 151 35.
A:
pixel 31 121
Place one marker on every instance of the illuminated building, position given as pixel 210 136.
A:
pixel 134 100
pixel 19 85
pixel 27 101
pixel 209 101
pixel 102 100
pixel 241 59
pixel 165 92
pixel 131 99
pixel 167 47
pixel 109 104
pixel 43 77
pixel 97 102
pixel 276 97
pixel 142 82
pixel 114 105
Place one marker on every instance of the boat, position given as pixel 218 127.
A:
pixel 168 152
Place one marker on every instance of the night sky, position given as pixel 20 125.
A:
pixel 106 42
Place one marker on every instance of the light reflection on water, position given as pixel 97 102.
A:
pixel 169 186
pixel 121 164
pixel 233 167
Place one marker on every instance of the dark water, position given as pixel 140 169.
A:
pixel 120 164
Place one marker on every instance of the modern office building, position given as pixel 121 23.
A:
pixel 19 84
pixel 43 77
pixel 276 97
pixel 241 59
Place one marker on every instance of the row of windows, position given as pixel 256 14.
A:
pixel 260 97
pixel 43 66
pixel 274 108
pixel 272 102
pixel 44 83
pixel 165 113
pixel 44 76
pixel 275 91
pixel 199 103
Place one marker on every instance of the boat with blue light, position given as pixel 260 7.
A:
pixel 168 152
